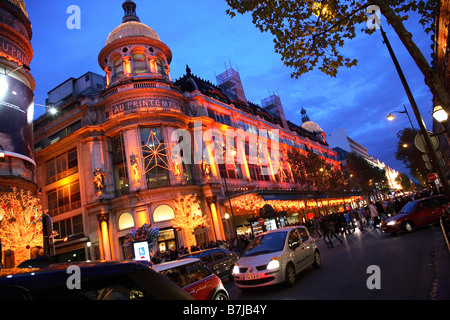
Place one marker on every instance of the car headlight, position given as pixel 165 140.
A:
pixel 391 223
pixel 235 269
pixel 274 263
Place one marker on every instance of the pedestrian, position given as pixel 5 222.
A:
pixel 333 230
pixel 325 226
pixel 316 224
pixel 374 215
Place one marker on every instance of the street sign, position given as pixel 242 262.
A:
pixel 419 141
pixel 260 221
pixel 432 177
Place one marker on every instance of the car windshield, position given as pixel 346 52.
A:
pixel 409 207
pixel 270 242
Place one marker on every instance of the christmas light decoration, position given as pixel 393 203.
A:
pixel 20 223
pixel 155 154
pixel 188 216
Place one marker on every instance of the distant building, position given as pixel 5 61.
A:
pixel 343 144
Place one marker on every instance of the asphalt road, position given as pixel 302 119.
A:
pixel 407 268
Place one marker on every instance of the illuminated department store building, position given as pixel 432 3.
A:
pixel 105 162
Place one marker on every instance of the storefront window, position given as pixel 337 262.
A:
pixel 166 239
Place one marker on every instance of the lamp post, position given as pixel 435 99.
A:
pixel 429 148
pixel 441 116
pixel 390 117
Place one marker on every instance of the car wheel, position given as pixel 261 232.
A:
pixel 220 296
pixel 407 226
pixel 290 275
pixel 317 261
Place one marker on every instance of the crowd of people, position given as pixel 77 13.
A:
pixel 330 226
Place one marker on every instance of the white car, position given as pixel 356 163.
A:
pixel 276 256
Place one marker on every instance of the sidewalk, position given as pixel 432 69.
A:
pixel 442 260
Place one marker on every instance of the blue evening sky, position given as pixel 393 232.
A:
pixel 200 34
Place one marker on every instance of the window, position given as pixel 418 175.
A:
pixel 62 166
pixel 139 63
pixel 126 221
pixel 303 234
pixel 69 227
pixel 64 198
pixel 120 165
pixel 294 239
pixel 161 69
pixel 118 68
pixel 64 132
pixel 155 157
pixel 163 213
pixel 186 274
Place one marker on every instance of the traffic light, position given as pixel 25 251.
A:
pixel 47 231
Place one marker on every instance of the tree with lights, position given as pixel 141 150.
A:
pixel 188 217
pixel 20 223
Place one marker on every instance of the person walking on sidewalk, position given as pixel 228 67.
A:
pixel 325 227
pixel 373 214
pixel 333 233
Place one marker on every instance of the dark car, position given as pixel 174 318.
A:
pixel 107 280
pixel 220 261
pixel 197 280
pixel 416 213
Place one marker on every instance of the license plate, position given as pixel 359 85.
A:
pixel 252 277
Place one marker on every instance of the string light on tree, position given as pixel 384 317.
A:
pixel 21 223
pixel 188 216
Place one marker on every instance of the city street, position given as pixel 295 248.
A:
pixel 411 267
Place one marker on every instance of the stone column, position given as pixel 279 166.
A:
pixel 104 236
pixel 215 217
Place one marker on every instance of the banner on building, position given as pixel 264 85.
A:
pixel 16 118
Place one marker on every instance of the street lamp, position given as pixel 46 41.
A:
pixel 51 109
pixel 391 117
pixel 440 114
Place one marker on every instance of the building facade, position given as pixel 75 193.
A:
pixel 124 147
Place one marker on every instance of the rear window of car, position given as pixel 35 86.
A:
pixel 186 274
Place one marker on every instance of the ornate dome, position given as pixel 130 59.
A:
pixel 132 29
pixel 308 124
pixel 311 126
pixel 131 25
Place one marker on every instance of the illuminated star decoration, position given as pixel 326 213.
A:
pixel 155 154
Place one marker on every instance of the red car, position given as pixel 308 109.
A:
pixel 416 213
pixel 197 280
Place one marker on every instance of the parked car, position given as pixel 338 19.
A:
pixel 276 256
pixel 416 213
pixel 195 279
pixel 107 280
pixel 220 261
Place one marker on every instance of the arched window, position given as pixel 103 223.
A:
pixel 126 221
pixel 118 68
pixel 163 212
pixel 161 67
pixel 139 63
